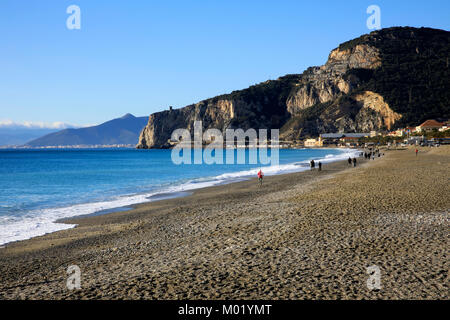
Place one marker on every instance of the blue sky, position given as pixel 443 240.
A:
pixel 142 56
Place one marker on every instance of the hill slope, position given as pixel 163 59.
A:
pixel 123 130
pixel 19 136
pixel 388 78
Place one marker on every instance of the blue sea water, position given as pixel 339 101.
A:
pixel 38 187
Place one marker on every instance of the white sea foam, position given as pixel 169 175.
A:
pixel 40 222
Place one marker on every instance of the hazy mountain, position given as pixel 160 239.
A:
pixel 386 79
pixel 19 136
pixel 17 133
pixel 124 130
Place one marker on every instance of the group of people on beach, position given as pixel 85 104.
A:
pixel 351 162
pixel 371 154
pixel 312 164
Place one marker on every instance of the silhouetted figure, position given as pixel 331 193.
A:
pixel 349 161
pixel 354 162
pixel 320 166
pixel 312 164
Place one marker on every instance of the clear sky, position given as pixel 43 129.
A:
pixel 142 56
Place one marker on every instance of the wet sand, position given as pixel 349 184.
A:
pixel 308 235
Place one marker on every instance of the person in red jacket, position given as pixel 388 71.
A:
pixel 260 177
pixel 417 151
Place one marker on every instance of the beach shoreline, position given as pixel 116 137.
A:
pixel 238 241
pixel 41 221
pixel 178 194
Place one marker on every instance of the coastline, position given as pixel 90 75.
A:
pixel 54 219
pixel 303 235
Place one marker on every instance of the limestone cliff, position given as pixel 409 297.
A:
pixel 161 124
pixel 391 77
pixel 322 84
pixel 373 103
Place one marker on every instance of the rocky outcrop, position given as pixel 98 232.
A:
pixel 244 109
pixel 255 107
pixel 374 104
pixel 360 112
pixel 160 125
pixel 390 77
pixel 323 84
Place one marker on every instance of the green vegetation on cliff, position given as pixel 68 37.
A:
pixel 414 77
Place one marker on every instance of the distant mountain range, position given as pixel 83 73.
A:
pixel 124 130
pixel 18 136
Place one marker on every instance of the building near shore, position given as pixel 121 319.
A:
pixel 397 133
pixel 331 138
pixel 313 143
pixel 374 134
pixel 335 138
pixel 349 141
pixel 429 125
pixel 415 140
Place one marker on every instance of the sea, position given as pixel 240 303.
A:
pixel 40 187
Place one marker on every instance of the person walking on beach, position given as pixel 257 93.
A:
pixel 349 161
pixel 417 151
pixel 320 166
pixel 260 177
pixel 354 162
pixel 312 164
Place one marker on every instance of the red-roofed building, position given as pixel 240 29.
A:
pixel 429 125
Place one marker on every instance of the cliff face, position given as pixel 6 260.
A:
pixel 218 114
pixel 361 112
pixel 256 107
pixel 391 77
pixel 373 104
pixel 323 84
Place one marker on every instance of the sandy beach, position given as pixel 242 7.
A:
pixel 308 235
